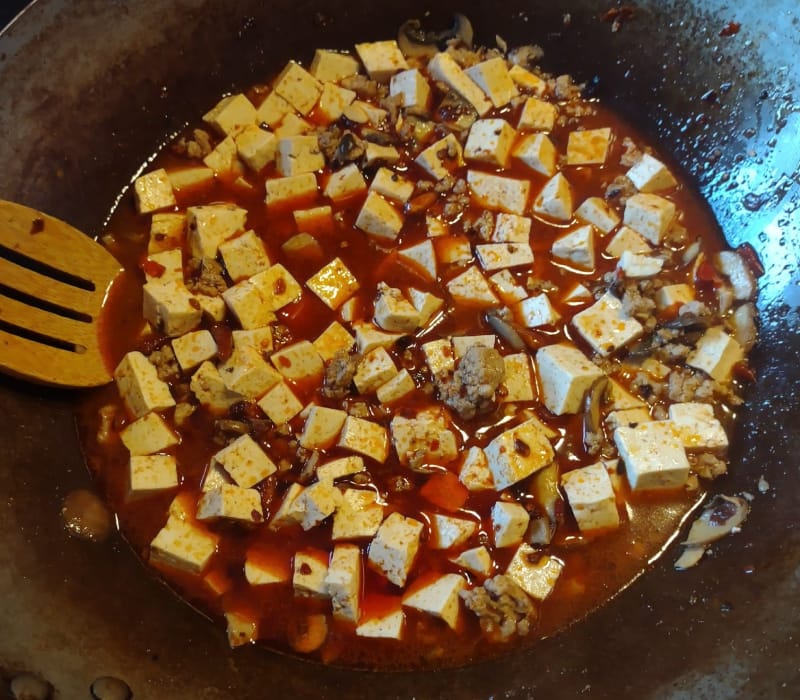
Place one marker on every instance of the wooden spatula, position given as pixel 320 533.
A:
pixel 53 281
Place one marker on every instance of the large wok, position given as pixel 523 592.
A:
pixel 88 88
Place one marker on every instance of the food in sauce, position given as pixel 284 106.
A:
pixel 417 357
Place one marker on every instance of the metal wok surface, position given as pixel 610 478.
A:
pixel 89 88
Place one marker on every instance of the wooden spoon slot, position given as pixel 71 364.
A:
pixel 43 269
pixel 41 339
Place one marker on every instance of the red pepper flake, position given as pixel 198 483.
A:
pixel 37 225
pixel 280 286
pixel 153 268
pixel 522 448
pixel 257 517
pixel 706 274
pixel 223 337
pixel 747 253
pixel 305 569
pixel 284 361
pixel 730 29
pixel 744 372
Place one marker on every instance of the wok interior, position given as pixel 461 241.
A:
pixel 81 108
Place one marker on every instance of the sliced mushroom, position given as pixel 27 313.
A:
pixel 723 515
pixel 592 418
pixel 414 41
pixel 505 330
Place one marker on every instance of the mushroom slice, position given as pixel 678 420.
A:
pixel 414 41
pixel 723 515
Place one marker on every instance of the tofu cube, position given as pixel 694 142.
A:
pixel 344 184
pixel 475 473
pixel 298 154
pixel 412 88
pixel 537 311
pixel 334 339
pixel 462 343
pixel 386 624
pixel 224 159
pixel 448 532
pixel 438 597
pixel 492 77
pixel 272 109
pixel 538 153
pixel 293 191
pixel 309 572
pixel 245 462
pixel 299 362
pixel 256 147
pixel 165 267
pixel 369 337
pixel 365 438
pixel 511 228
pixel 358 516
pixel 298 87
pixel 654 455
pixel 517 383
pixel 392 185
pixel 394 547
pixel 185 180
pixel 316 503
pixel 470 288
pixel 288 513
pixel 507 288
pixel 499 193
pixel 210 390
pixel 244 256
pixel 477 560
pixel 426 304
pixel 376 154
pixel 497 256
pixel 149 474
pixel 673 296
pixel 626 239
pixel 439 357
pixel 382 59
pixel 490 142
pixel 248 302
pixel 555 200
pixel 526 80
pixel 374 370
pixel 424 439
pixel 443 67
pixel 343 582
pixel 334 284
pixel 716 353
pixel 537 115
pixel 247 373
pixel 332 102
pixel 441 158
pixel 181 544
pixel 292 125
pixel 565 375
pixel 731 264
pixel 452 250
pixel 153 191
pixel 379 218
pixel 436 228
pixel 509 523
pixel 618 398
pixel 591 497
pixel 517 453
pixel 231 503
pixel 339 468
pixel 629 417
pixel 397 388
pixel 577 295
pixel 576 248
pixel 170 307
pixel 214 308
pixel 192 349
pixel 393 312
pixel 698 427
pixel 651 175
pixel 231 114
pixel 588 147
pixel 535 574
pixel 595 211
pixel 167 231
pixel 147 435
pixel 266 567
pixel 138 384
pixel 277 287
pixel 638 267
pixel 649 215
pixel 211 224
pixel 333 66
pixel 605 326
pixel 280 404
pixel 421 258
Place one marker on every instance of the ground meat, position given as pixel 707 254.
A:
pixel 526 56
pixel 365 88
pixel 636 303
pixel 631 153
pixel 206 277
pixel 536 285
pixel 482 225
pixel 166 363
pixel 470 391
pixel 340 147
pixel 620 189
pixel 502 607
pixel 709 466
pixel 392 105
pixel 686 385
pixel 339 374
pixel 198 147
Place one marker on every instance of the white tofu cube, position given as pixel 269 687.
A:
pixel 248 302
pixel 358 516
pixel 153 191
pixel 343 582
pixel 165 267
pixel 214 308
pixel 452 250
pixel 441 158
pixel 595 211
pixel 538 153
pixel 280 404
pixel 442 67
pixel 591 497
pixel 266 567
pixel 421 258
pixel 362 112
pixel 439 357
pixel 298 154
pixel 462 343
pixel 490 142
pixel 364 437
pixel 309 572
pixel 334 284
pixel 231 114
pixel 211 224
pixel 375 369
pixel 537 311
pixel 650 215
pixel 344 184
pixel 170 307
pixel 244 256
pixel 247 373
pixel 231 503
pixel 448 532
pixel 526 80
pixel 393 312
pixel 185 180
pixel 394 547
pixel 426 304
pixel 497 256
pixel 288 514
pixel 224 159
pixel 511 228
pixel 618 398
pixel 384 625
pixel 638 267
pixel 731 264
pixel 412 88
pixel 716 353
pixel 651 175
pixel 629 417
pixel 537 115
pixel 626 239
pixel 291 192
pixel 299 362
pixel 382 59
pixel 492 77
pixel 334 339
pixel 339 468
pixel 517 384
pixel 379 218
pixel 653 454
pixel 397 388
pixel 536 575
pixel 332 65
pixel 316 220
pixel 332 102
pixel 698 427
pixel 565 375
pixel 438 598
pixel 292 125
pixel 181 544
pixel 499 193
pixel 377 154
pixel 392 185
pixel 138 384
pixel 272 109
pixel 588 147
pixel 166 231
pixel 298 87
pixel 507 288
pixel 555 200
pixel 315 503
pixel 436 227
pixel 605 325
pixel 577 295
pixel 509 523
pixel 673 296
pixel 424 439
pixel 477 560
pixel 475 473
pixel 576 248
pixel 368 337
pixel 147 435
pixel 470 288
pixel 256 147
pixel 194 348
pixel 517 453
pixel 245 462
pixel 149 474
pixel 210 390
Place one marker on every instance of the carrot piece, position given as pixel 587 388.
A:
pixel 445 490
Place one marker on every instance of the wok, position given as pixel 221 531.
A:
pixel 88 88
